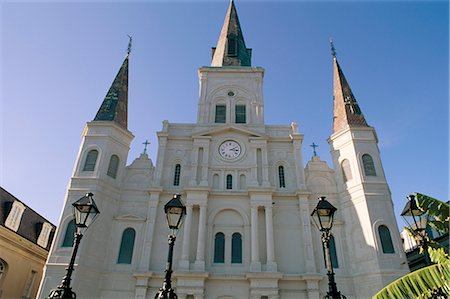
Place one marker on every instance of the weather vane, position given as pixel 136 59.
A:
pixel 145 148
pixel 313 145
pixel 333 49
pixel 129 44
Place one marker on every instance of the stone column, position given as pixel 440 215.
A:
pixel 200 258
pixel 256 263
pixel 184 262
pixel 271 264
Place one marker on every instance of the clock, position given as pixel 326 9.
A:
pixel 229 149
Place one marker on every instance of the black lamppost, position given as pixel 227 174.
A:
pixel 85 210
pixel 175 212
pixel 417 220
pixel 323 216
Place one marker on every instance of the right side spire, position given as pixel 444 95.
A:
pixel 346 108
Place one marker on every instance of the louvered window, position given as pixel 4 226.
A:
pixel 236 248
pixel 91 159
pixel 220 114
pixel 229 181
pixel 232 46
pixel 113 166
pixel 281 179
pixel 176 177
pixel 369 167
pixel 240 114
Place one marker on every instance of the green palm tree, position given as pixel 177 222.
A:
pixel 432 281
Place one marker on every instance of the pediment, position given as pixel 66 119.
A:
pixel 129 217
pixel 228 129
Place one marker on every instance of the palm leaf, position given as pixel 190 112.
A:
pixel 419 284
pixel 437 209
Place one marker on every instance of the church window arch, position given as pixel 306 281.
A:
pixel 113 166
pixel 219 248
pixel 240 114
pixel 69 236
pixel 91 160
pixel 368 165
pixel 236 248
pixel 176 175
pixel 346 170
pixel 126 246
pixel 281 177
pixel 220 113
pixel 229 182
pixel 385 239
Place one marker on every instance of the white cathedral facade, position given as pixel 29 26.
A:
pixel 248 231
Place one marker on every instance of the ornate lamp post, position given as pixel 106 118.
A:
pixel 323 216
pixel 175 213
pixel 85 211
pixel 417 220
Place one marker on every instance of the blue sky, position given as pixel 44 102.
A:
pixel 59 59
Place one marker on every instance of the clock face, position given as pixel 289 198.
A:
pixel 230 149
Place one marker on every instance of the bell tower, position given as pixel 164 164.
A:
pixel 366 206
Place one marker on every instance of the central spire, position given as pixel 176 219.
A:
pixel 231 49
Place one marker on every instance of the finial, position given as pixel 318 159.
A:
pixel 313 145
pixel 129 44
pixel 145 148
pixel 333 50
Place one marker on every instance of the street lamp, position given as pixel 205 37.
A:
pixel 323 216
pixel 85 210
pixel 417 220
pixel 175 213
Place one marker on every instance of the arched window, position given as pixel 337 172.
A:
pixel 385 238
pixel 126 246
pixel 91 159
pixel 333 254
pixel 221 115
pixel 229 181
pixel 70 234
pixel 346 171
pixel 219 248
pixel 113 166
pixel 240 114
pixel 281 179
pixel 369 167
pixel 236 248
pixel 232 46
pixel 176 176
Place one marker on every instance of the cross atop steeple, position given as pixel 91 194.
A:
pixel 333 49
pixel 313 145
pixel 231 49
pixel 145 146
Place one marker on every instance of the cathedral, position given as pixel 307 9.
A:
pixel 248 232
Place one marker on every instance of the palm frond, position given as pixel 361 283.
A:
pixel 421 283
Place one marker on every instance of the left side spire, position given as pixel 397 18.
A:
pixel 115 105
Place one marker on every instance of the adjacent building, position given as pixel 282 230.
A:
pixel 25 239
pixel 248 231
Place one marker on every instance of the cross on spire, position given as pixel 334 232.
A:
pixel 129 44
pixel 333 49
pixel 145 146
pixel 314 146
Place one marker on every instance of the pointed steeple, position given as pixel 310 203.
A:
pixel 231 49
pixel 115 105
pixel 346 108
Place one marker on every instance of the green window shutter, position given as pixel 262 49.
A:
pixel 70 234
pixel 126 246
pixel 240 114
pixel 219 248
pixel 369 167
pixel 220 114
pixel 385 238
pixel 236 248
pixel 113 166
